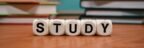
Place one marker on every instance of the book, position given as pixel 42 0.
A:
pixel 119 20
pixel 114 13
pixel 19 1
pixel 21 19
pixel 113 4
pixel 41 7
pixel 119 11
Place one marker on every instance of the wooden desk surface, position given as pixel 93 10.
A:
pixel 20 36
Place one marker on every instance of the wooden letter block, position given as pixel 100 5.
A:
pixel 104 27
pixel 72 27
pixel 57 26
pixel 40 27
pixel 88 27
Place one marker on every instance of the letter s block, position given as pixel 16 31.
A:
pixel 72 27
pixel 57 27
pixel 40 27
pixel 104 27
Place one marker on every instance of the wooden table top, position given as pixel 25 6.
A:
pixel 21 36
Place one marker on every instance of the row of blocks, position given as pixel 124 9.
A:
pixel 72 27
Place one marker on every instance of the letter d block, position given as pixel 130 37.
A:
pixel 57 27
pixel 104 27
pixel 72 27
pixel 40 27
pixel 88 27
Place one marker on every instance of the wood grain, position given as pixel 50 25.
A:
pixel 21 36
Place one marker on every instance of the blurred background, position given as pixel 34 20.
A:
pixel 16 17
pixel 24 11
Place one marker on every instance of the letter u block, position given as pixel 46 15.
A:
pixel 72 27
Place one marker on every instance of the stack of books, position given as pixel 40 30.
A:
pixel 38 7
pixel 24 11
pixel 117 11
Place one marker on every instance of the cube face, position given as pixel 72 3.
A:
pixel 72 27
pixel 57 27
pixel 88 27
pixel 104 27
pixel 40 27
